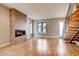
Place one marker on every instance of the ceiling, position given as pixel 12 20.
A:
pixel 38 11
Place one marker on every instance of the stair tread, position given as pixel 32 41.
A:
pixel 73 26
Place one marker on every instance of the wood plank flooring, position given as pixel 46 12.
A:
pixel 41 47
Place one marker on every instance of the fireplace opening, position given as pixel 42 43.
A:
pixel 19 33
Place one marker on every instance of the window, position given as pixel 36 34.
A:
pixel 30 27
pixel 41 27
pixel 61 27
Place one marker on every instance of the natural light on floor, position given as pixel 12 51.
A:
pixel 42 45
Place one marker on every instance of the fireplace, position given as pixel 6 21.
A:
pixel 19 33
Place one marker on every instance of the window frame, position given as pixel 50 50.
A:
pixel 42 27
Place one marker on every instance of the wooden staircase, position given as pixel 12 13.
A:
pixel 73 26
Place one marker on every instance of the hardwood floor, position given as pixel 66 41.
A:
pixel 41 47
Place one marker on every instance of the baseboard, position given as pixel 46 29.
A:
pixel 55 37
pixel 4 45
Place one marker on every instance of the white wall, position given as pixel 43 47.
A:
pixel 52 27
pixel 20 23
pixel 28 28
